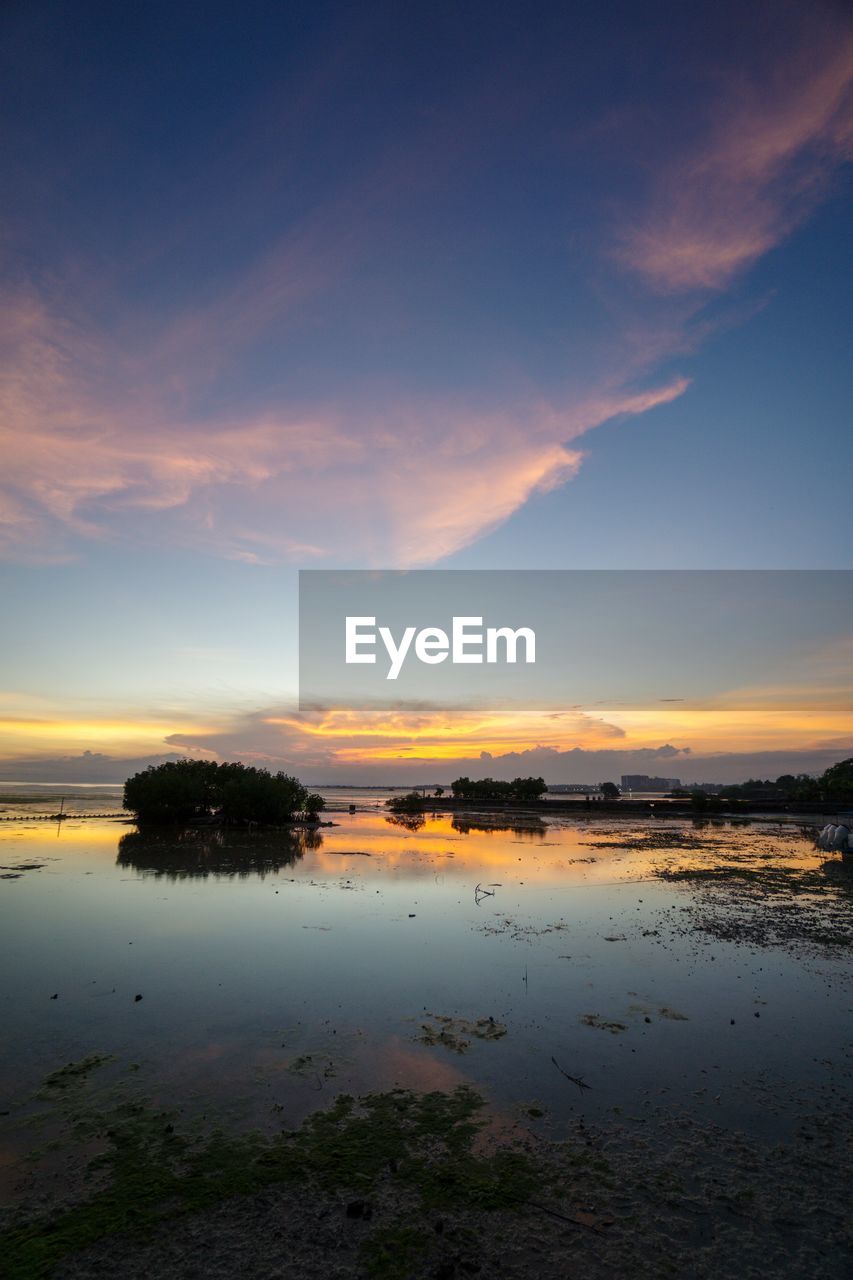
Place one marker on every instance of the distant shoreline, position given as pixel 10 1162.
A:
pixel 638 808
pixel 808 811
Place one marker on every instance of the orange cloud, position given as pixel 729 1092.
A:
pixel 748 721
pixel 735 735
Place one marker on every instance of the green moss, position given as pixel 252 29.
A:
pixel 311 1065
pixel 76 1072
pixel 595 1020
pixel 450 1032
pixel 152 1172
pixel 501 1181
pixel 392 1253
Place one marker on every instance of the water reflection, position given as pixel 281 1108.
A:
pixel 411 821
pixel 530 826
pixel 190 853
pixel 384 919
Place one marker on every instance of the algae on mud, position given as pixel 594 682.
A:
pixel 450 1033
pixel 73 1072
pixel 406 1186
pixel 153 1171
pixel 803 909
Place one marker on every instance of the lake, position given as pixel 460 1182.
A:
pixel 255 952
pixel 650 974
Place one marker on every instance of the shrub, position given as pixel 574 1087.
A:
pixel 412 802
pixel 188 790
pixel 492 789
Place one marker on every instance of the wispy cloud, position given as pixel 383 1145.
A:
pixel 764 160
pixel 141 430
pixel 82 459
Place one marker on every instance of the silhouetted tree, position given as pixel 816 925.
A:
pixel 412 802
pixel 493 789
pixel 177 791
pixel 313 805
pixel 799 786
pixel 837 782
pixel 189 790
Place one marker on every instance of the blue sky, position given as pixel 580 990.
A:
pixel 400 286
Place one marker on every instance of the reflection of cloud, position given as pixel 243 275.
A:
pixel 410 1068
pixel 764 163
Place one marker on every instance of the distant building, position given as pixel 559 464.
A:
pixel 572 788
pixel 642 782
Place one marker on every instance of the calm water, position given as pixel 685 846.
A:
pixel 276 970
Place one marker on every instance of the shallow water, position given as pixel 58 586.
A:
pixel 277 970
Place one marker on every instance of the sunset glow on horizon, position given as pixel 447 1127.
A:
pixel 338 741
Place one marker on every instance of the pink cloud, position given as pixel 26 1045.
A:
pixel 402 484
pixel 763 163
pixel 98 432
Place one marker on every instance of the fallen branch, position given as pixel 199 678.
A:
pixel 581 1084
pixel 589 1220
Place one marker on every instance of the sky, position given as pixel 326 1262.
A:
pixel 482 286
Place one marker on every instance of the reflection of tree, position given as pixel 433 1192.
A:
pixel 532 826
pixel 411 821
pixel 188 853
